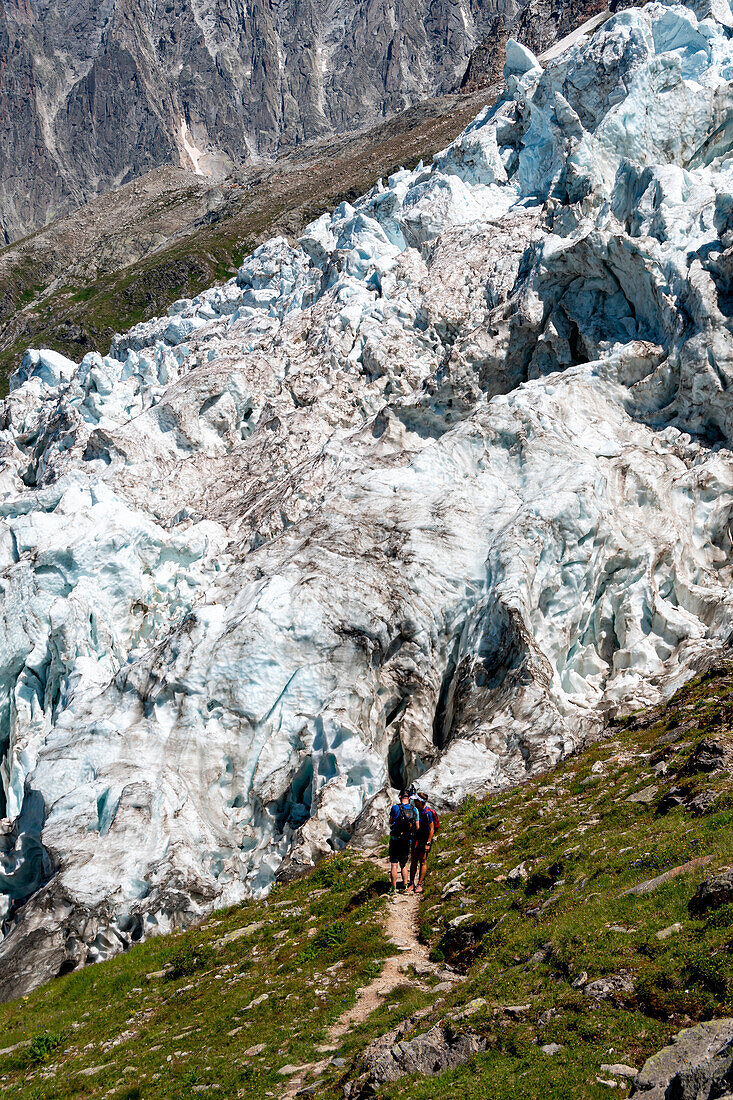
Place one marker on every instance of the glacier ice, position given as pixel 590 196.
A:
pixel 427 494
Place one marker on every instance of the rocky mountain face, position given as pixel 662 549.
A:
pixel 95 94
pixel 428 494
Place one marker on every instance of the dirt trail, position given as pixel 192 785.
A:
pixel 401 930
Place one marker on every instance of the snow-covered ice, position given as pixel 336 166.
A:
pixel 426 495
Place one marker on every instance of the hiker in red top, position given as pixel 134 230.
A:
pixel 426 829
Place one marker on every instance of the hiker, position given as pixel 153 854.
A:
pixel 421 845
pixel 402 829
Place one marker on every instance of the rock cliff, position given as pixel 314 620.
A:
pixel 95 94
pixel 427 494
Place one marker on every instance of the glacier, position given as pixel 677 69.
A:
pixel 430 493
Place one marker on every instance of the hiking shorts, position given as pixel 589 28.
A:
pixel 399 850
pixel 420 851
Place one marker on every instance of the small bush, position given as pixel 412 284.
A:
pixel 711 971
pixel 331 872
pixel 190 957
pixel 43 1046
pixel 721 918
pixel 474 812
pixel 326 939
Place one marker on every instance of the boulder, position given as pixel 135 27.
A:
pixel 710 755
pixel 703 802
pixel 697 1065
pixel 462 942
pixel 390 1058
pixel 645 795
pixel 611 987
pixel 714 891
pixel 671 800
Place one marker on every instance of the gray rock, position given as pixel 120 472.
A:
pixel 453 887
pixel 470 1009
pixel 618 1069
pixel 697 1065
pixel 710 755
pixel 606 989
pixel 714 891
pixel 389 1058
pixel 701 803
pixel 458 921
pixel 645 795
pixel 671 930
pixel 671 800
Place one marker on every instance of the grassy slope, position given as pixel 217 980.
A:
pixel 160 1036
pixel 584 844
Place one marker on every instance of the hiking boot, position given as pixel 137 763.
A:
pixel 410 888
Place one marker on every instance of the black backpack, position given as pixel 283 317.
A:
pixel 405 821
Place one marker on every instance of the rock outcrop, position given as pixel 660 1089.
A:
pixel 391 1057
pixel 697 1065
pixel 712 892
pixel 426 494
pixel 95 94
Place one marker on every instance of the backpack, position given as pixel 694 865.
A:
pixel 436 820
pixel 405 821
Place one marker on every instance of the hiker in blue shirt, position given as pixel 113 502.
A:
pixel 426 829
pixel 402 829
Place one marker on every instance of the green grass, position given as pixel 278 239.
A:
pixel 190 1025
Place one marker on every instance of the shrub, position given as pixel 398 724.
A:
pixel 190 957
pixel 43 1046
pixel 721 918
pixel 334 935
pixel 472 811
pixel 331 872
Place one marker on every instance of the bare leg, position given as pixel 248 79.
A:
pixel 393 874
pixel 413 869
pixel 404 874
pixel 423 869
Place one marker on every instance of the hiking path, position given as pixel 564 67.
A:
pixel 410 962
